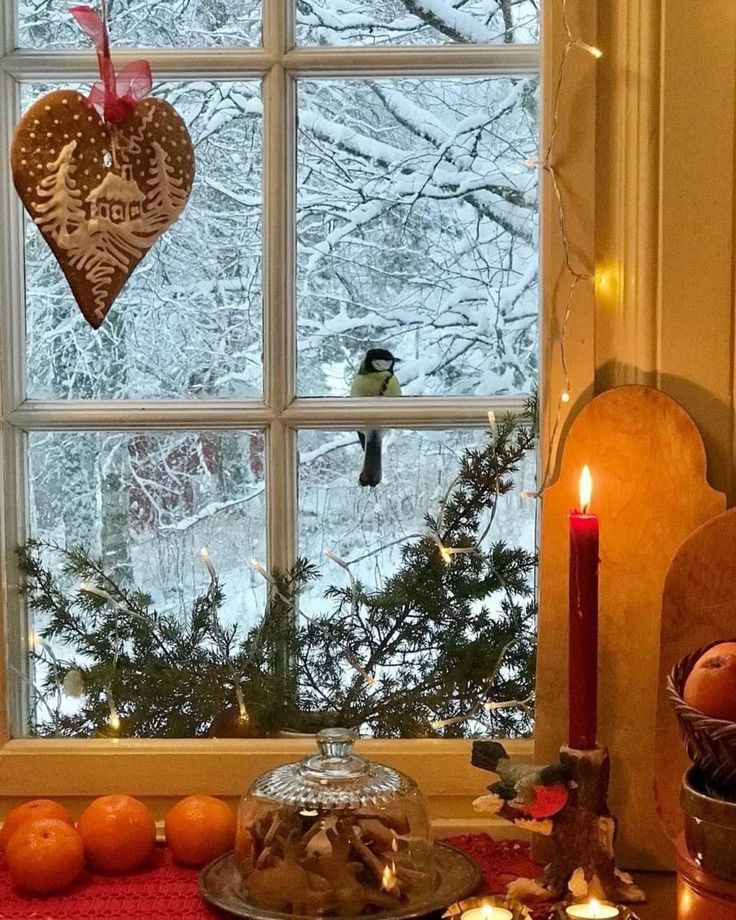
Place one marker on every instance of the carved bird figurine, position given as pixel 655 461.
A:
pixel 534 790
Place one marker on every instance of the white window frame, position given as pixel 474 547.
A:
pixel 161 769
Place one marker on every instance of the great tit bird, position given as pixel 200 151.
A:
pixel 375 377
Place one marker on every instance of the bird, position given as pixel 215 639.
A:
pixel 375 377
pixel 537 791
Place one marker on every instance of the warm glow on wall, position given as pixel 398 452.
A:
pixel 607 276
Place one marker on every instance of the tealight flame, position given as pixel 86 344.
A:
pixel 388 881
pixel 394 843
pixel 586 488
pixel 594 905
pixel 486 908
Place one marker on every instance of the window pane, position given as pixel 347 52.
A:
pixel 370 529
pixel 416 22
pixel 167 24
pixel 146 503
pixel 188 322
pixel 417 232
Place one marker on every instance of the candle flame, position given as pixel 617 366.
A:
pixel 388 881
pixel 486 907
pixel 394 843
pixel 586 488
pixel 594 905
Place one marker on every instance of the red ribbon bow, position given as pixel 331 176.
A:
pixel 117 94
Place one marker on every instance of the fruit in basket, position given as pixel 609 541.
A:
pixel 44 855
pixel 199 828
pixel 711 685
pixel 118 832
pixel 30 811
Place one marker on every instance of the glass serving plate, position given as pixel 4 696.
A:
pixel 335 835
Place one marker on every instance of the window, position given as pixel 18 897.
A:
pixel 363 185
pixel 355 186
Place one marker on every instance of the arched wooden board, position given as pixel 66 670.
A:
pixel 649 489
pixel 698 607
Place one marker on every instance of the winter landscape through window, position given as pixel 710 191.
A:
pixel 334 210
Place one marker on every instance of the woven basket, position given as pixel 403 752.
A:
pixel 710 743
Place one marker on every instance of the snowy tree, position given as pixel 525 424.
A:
pixel 387 22
pixel 60 209
pixel 167 195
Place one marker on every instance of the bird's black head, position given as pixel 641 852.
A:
pixel 377 359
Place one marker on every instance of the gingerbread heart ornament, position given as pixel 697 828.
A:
pixel 101 193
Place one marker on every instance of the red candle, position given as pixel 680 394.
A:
pixel 583 638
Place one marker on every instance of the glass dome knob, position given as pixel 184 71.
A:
pixel 336 742
pixel 336 759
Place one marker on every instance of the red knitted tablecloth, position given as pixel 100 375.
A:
pixel 165 891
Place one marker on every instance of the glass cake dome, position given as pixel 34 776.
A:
pixel 334 835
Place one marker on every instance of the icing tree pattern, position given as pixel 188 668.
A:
pixel 103 200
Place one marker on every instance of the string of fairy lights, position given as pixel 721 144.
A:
pixel 577 276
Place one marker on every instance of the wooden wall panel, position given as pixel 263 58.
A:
pixel 648 465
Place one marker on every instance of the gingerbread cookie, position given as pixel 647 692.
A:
pixel 101 193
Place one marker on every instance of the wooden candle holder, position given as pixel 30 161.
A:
pixel 583 833
pixel 568 802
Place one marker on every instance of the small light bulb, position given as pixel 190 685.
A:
pixel 114 721
pixel 591 49
pixel 531 162
pixel 527 493
pixel 565 397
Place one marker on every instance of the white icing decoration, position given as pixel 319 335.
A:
pixel 117 221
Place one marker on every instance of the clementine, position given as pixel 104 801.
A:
pixel 44 855
pixel 29 811
pixel 711 685
pixel 199 828
pixel 118 833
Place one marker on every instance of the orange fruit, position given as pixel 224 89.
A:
pixel 29 811
pixel 118 833
pixel 199 828
pixel 44 855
